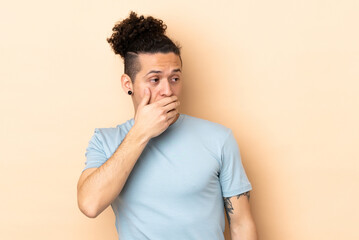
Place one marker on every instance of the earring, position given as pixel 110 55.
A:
pixel 129 92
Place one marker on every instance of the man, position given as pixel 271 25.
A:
pixel 166 175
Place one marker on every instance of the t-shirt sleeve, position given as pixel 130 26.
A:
pixel 95 154
pixel 233 177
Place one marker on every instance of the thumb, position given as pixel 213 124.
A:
pixel 146 98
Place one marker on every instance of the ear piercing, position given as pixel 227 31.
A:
pixel 129 92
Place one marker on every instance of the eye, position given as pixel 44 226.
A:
pixel 175 79
pixel 154 80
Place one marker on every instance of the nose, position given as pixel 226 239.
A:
pixel 166 89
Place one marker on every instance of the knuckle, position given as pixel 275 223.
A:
pixel 163 118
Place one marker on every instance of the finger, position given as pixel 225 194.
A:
pixel 171 106
pixel 146 98
pixel 171 115
pixel 166 100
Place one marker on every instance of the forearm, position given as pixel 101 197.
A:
pixel 103 185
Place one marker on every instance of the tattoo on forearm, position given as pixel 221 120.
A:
pixel 229 207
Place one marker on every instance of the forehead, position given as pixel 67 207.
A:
pixel 159 61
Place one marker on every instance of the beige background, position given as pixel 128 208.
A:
pixel 283 75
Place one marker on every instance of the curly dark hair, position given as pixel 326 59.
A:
pixel 135 35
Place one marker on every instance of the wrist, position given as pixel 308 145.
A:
pixel 138 136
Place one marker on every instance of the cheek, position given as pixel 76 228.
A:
pixel 177 89
pixel 154 95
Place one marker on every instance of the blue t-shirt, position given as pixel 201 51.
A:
pixel 176 188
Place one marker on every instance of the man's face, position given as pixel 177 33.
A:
pixel 161 74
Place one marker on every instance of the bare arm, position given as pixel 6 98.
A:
pixel 239 217
pixel 98 187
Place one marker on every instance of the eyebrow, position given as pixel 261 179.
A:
pixel 156 71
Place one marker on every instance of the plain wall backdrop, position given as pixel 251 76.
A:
pixel 283 75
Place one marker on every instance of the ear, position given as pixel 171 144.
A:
pixel 126 83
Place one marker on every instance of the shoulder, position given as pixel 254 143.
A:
pixel 113 134
pixel 207 128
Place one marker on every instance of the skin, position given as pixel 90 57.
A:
pixel 240 220
pixel 160 72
